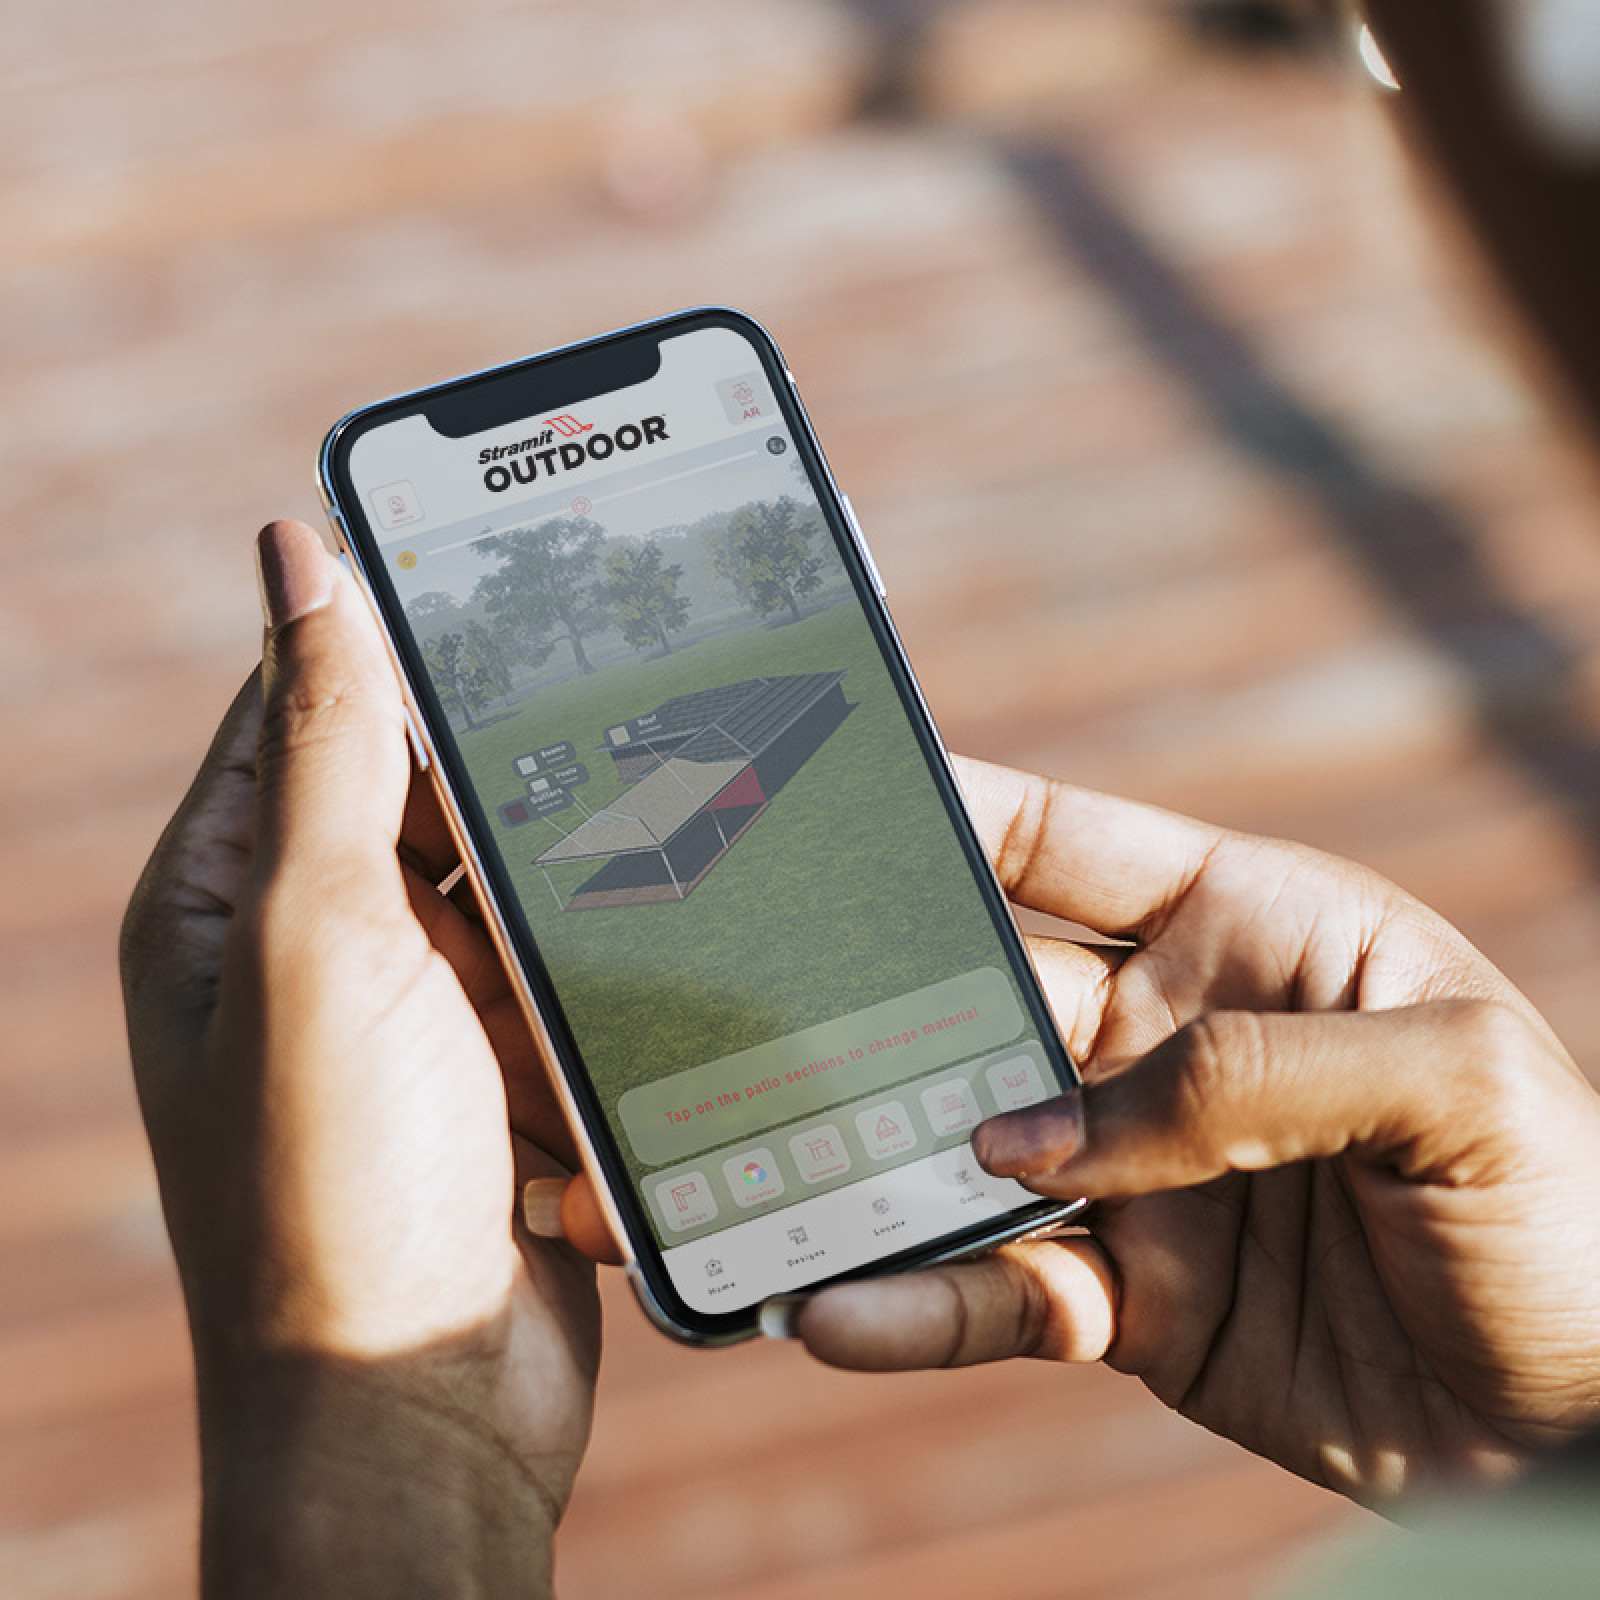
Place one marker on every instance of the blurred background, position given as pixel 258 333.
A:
pixel 1198 460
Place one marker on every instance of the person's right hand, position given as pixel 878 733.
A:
pixel 1346 1181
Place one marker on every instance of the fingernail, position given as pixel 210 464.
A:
pixel 779 1317
pixel 294 573
pixel 541 1207
pixel 1036 1139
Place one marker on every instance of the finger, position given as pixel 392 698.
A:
pixel 1439 1093
pixel 1077 982
pixel 334 770
pixel 558 1207
pixel 1050 1298
pixel 199 861
pixel 531 1097
pixel 584 1219
pixel 531 1101
pixel 562 1278
pixel 426 843
pixel 461 941
pixel 178 917
pixel 1113 865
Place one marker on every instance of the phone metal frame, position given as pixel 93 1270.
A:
pixel 725 1327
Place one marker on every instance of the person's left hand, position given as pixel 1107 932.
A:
pixel 395 1378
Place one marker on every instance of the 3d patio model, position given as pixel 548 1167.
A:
pixel 700 768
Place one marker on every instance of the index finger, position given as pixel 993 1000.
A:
pixel 1113 865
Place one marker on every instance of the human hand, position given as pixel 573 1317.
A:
pixel 394 1377
pixel 1343 1174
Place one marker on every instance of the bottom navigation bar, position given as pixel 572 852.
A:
pixel 841 1230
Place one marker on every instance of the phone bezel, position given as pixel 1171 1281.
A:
pixel 552 381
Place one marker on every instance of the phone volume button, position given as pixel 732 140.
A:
pixel 862 545
pixel 418 748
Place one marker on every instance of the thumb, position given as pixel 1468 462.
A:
pixel 333 766
pixel 1440 1093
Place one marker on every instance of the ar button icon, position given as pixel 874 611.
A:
pixel 396 504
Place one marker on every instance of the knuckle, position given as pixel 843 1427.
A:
pixel 994 1309
pixel 1025 833
pixel 137 936
pixel 1221 1051
pixel 1494 1051
pixel 1030 1312
pixel 1486 1029
pixel 152 923
pixel 1221 1093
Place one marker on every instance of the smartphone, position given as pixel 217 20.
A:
pixel 717 841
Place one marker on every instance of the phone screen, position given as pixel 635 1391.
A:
pixel 681 735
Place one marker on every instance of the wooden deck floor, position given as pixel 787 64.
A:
pixel 1195 462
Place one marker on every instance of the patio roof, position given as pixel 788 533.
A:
pixel 646 815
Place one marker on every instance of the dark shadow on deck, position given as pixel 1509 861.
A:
pixel 1416 552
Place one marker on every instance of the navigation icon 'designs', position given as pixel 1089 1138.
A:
pixel 685 1201
pixel 886 1130
pixel 753 1176
pixel 820 1153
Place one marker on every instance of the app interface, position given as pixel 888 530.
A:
pixel 723 835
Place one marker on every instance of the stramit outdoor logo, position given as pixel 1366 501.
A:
pixel 525 460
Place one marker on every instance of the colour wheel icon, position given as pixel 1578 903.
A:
pixel 754 1173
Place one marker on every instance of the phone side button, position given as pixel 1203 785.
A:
pixel 862 545
pixel 418 748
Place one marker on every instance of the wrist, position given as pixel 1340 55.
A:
pixel 333 1476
